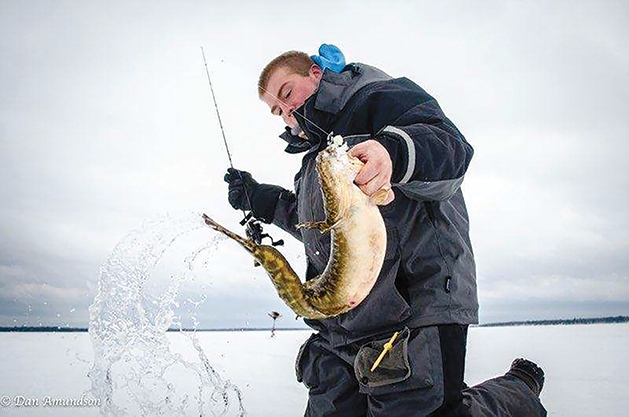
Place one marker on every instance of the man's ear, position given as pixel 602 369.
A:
pixel 316 71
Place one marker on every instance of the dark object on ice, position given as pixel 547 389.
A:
pixel 274 315
pixel 528 372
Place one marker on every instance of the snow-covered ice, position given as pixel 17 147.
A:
pixel 586 367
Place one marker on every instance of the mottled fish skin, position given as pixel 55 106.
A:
pixel 358 243
pixel 283 276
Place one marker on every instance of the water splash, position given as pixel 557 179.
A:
pixel 135 371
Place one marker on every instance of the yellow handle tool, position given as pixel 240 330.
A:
pixel 387 347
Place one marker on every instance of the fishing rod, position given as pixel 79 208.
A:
pixel 253 226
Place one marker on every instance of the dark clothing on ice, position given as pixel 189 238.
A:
pixel 421 376
pixel 426 289
pixel 428 277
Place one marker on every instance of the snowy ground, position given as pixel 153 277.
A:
pixel 586 367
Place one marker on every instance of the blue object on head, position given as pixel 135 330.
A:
pixel 329 57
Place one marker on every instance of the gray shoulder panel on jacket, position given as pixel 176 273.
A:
pixel 335 89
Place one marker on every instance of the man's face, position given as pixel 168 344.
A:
pixel 287 91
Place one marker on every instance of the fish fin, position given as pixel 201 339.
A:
pixel 335 225
pixel 344 212
pixel 322 226
pixel 381 196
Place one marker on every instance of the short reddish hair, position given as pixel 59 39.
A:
pixel 298 62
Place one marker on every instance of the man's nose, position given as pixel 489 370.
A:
pixel 287 109
pixel 289 120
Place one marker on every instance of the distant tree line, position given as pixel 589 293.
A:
pixel 83 329
pixel 42 329
pixel 598 320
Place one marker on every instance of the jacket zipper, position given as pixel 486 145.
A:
pixel 433 221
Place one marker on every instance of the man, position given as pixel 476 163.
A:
pixel 426 290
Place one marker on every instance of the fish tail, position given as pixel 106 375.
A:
pixel 248 244
pixel 286 281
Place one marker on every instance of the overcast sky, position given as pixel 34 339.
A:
pixel 106 122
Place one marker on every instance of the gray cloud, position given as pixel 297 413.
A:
pixel 106 121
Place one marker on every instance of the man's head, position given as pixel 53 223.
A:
pixel 286 83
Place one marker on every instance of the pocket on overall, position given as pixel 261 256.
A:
pixel 414 362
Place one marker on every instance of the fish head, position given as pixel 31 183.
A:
pixel 334 163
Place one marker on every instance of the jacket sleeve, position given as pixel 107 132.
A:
pixel 285 215
pixel 430 156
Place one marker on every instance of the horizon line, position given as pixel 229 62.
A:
pixel 548 322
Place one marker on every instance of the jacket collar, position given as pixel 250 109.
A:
pixel 296 143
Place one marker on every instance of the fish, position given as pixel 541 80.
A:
pixel 358 242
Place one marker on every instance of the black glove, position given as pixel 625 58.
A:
pixel 261 199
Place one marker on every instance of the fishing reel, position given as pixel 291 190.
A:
pixel 254 231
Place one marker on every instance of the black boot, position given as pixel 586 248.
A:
pixel 528 372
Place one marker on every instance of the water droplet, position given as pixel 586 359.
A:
pixel 133 310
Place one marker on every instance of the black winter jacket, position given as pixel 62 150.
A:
pixel 428 276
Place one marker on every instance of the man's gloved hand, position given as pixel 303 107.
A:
pixel 236 194
pixel 261 199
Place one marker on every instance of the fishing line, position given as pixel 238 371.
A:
pixel 328 134
pixel 253 227
pixel 220 123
